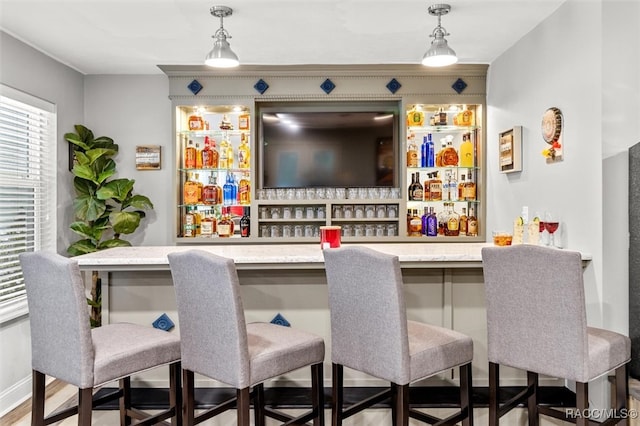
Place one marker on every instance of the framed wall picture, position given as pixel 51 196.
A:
pixel 148 157
pixel 510 150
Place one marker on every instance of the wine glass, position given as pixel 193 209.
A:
pixel 551 224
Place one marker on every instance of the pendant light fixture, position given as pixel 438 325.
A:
pixel 221 56
pixel 439 54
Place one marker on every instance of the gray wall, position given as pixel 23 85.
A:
pixel 26 69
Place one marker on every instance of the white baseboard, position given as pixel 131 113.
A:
pixel 15 395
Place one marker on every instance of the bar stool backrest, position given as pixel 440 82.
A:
pixel 536 315
pixel 368 313
pixel 61 344
pixel 213 331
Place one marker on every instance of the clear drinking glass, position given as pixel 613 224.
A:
pixel 551 224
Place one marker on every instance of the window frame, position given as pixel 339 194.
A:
pixel 44 186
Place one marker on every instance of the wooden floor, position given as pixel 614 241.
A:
pixel 60 395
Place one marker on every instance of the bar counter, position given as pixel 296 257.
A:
pixel 286 256
pixel 443 285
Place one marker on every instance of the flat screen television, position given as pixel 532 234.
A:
pixel 322 144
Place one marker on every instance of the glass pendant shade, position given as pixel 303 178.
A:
pixel 221 56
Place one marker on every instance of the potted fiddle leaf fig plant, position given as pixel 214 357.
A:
pixel 104 208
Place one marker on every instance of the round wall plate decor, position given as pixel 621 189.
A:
pixel 551 125
pixel 552 134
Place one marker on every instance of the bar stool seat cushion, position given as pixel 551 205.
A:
pixel 275 349
pixel 608 350
pixel 433 349
pixel 122 349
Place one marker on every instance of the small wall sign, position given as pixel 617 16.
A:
pixel 510 149
pixel 148 157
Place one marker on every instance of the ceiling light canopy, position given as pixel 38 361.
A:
pixel 439 54
pixel 221 56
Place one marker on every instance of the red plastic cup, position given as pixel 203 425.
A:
pixel 330 236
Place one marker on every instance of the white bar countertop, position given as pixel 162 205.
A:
pixel 285 256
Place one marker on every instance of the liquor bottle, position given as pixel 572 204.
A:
pixel 463 222
pixel 189 224
pixel 453 186
pixel 446 183
pixel 230 159
pixel 466 151
pixel 190 191
pixel 469 190
pixel 207 154
pixel 472 224
pixel 415 118
pixel 196 122
pixel 441 118
pixel 215 155
pixel 245 222
pixel 243 152
pixel 198 156
pixel 442 219
pixel 190 156
pixel 409 216
pixel 200 187
pixel 211 193
pixel 208 225
pixel 243 122
pixel 435 188
pixel 223 159
pixel 425 217
pixel 244 190
pixel 428 152
pixel 465 117
pixel 198 221
pixel 225 224
pixel 449 155
pixel 443 146
pixel 426 191
pixel 416 192
pixel 453 223
pixel 415 224
pixel 410 188
pixel 461 188
pixel 432 224
pixel 412 152
pixel 228 194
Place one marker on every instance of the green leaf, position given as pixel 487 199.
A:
pixel 138 201
pixel 118 189
pixel 96 153
pixel 82 158
pixel 76 140
pixel 115 242
pixel 105 142
pixel 86 135
pixel 81 247
pixel 85 171
pixel 124 222
pixel 88 208
pixel 93 231
pixel 105 169
pixel 93 304
pixel 84 186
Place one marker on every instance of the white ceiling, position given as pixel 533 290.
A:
pixel 134 36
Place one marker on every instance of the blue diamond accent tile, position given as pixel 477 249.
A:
pixel 280 320
pixel 195 87
pixel 261 86
pixel 327 86
pixel 393 86
pixel 163 323
pixel 459 86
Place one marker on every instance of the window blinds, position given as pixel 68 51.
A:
pixel 27 186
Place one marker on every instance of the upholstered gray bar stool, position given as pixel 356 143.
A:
pixel 219 344
pixel 370 333
pixel 536 322
pixel 64 346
